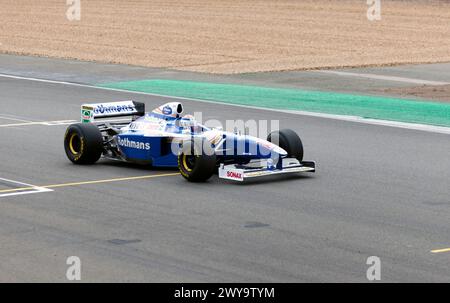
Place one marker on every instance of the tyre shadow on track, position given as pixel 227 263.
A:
pixel 136 166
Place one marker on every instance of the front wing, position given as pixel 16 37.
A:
pixel 260 168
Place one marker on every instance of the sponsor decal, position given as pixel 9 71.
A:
pixel 133 144
pixel 135 126
pixel 139 126
pixel 143 126
pixel 86 114
pixel 113 109
pixel 154 119
pixel 167 110
pixel 234 175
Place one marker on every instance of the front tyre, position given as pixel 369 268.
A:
pixel 288 140
pixel 83 143
pixel 195 163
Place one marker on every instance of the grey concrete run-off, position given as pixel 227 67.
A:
pixel 379 191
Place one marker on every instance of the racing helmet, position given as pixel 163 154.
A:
pixel 171 109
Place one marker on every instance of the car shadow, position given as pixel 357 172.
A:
pixel 136 166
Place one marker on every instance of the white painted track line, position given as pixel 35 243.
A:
pixel 34 189
pixel 12 118
pixel 58 122
pixel 405 125
pixel 46 123
pixel 412 126
pixel 384 77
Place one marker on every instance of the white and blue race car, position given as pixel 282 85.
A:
pixel 165 138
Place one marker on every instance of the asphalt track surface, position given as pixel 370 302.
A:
pixel 379 191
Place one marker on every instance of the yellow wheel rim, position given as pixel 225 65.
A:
pixel 71 144
pixel 185 165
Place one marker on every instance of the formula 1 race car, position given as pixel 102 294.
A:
pixel 164 138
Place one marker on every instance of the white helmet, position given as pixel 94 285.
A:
pixel 171 109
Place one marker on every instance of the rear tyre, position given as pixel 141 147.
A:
pixel 195 163
pixel 288 140
pixel 83 143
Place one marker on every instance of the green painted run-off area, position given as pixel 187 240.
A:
pixel 292 99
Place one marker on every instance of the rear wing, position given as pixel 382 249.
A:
pixel 91 112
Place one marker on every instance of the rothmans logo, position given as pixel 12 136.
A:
pixel 133 144
pixel 112 109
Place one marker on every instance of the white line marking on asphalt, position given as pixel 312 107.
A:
pixel 34 189
pixel 383 77
pixel 46 123
pixel 41 80
pixel 412 126
pixel 59 122
pixel 46 188
pixel 405 125
pixel 13 119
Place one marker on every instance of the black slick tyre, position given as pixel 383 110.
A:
pixel 83 143
pixel 288 140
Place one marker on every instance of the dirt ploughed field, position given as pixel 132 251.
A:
pixel 224 36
